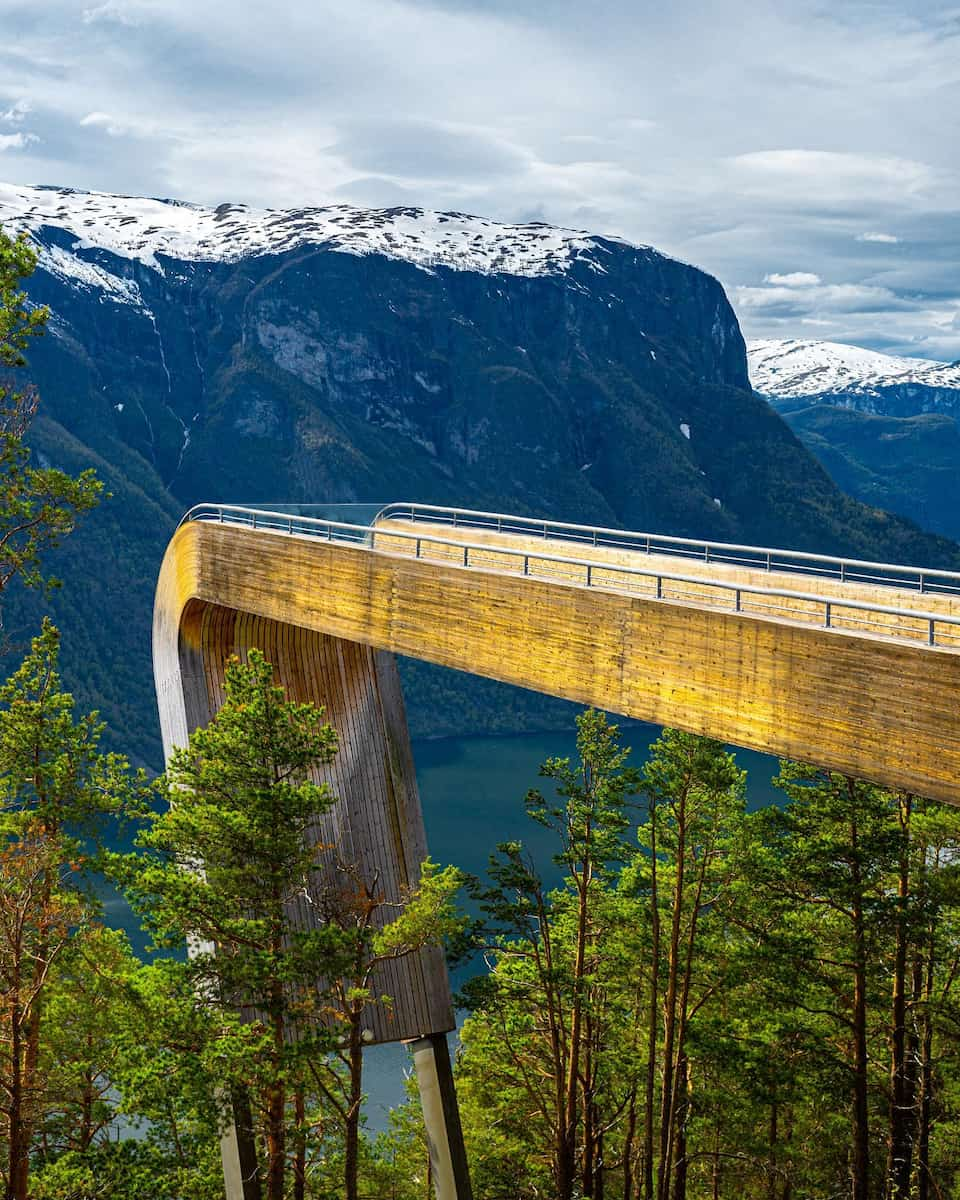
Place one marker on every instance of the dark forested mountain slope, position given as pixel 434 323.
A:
pixel 342 355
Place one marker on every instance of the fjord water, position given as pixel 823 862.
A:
pixel 472 790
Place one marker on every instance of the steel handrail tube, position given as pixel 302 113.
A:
pixel 221 513
pixel 698 544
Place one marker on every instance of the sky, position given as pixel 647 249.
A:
pixel 807 154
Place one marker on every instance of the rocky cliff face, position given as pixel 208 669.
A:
pixel 346 355
pixel 522 365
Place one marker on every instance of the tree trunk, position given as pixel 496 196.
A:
pixel 351 1159
pixel 861 1118
pixel 589 1115
pixel 16 1154
pixel 629 1134
pixel 568 1138
pixel 276 1121
pixel 300 1150
pixel 668 1097
pixel 654 1011
pixel 900 1156
pixel 682 1113
pixel 926 1082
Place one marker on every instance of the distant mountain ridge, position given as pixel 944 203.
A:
pixel 851 376
pixel 349 355
pixel 884 427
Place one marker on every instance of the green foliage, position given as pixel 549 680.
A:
pixel 742 1033
pixel 232 851
pixel 52 769
pixel 39 506
pixel 55 784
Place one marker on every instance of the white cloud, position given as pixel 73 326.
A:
pixel 886 239
pixel 834 297
pixel 782 141
pixel 16 141
pixel 16 113
pixel 794 279
pixel 117 12
pixel 101 120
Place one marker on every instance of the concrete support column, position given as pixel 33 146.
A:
pixel 441 1116
pixel 238 1152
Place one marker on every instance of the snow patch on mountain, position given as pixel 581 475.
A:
pixel 143 229
pixel 785 368
pixel 77 271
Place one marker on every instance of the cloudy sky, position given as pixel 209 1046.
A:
pixel 806 153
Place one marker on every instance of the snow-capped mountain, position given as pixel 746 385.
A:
pixel 144 229
pixel 852 377
pixel 352 355
pixel 885 428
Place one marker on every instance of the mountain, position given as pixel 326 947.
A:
pixel 351 355
pixel 885 428
pixel 851 377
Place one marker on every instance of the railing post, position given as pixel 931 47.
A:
pixel 706 553
pixel 932 636
pixel 827 612
pixel 418 547
pixel 526 564
pixel 738 600
pixel 843 571
pixel 290 525
pixel 768 560
pixel 659 587
pixel 921 582
pixel 648 543
pixel 466 553
pixel 254 520
pixel 589 575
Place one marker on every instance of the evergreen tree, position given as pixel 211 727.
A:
pixel 225 863
pixel 55 785
pixel 38 505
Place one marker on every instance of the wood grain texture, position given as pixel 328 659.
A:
pixel 861 700
pixel 375 827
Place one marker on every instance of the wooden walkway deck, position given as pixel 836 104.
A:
pixel 852 666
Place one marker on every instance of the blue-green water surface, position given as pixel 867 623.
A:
pixel 472 790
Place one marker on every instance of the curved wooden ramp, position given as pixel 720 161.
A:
pixel 859 673
pixel 853 666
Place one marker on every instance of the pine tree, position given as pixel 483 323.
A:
pixel 39 506
pixel 55 785
pixel 223 865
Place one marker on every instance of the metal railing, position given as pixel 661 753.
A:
pixel 847 570
pixel 825 612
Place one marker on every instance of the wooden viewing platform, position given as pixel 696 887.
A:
pixel 850 665
pixel 853 666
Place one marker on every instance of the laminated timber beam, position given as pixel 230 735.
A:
pixel 796 656
pixel 856 697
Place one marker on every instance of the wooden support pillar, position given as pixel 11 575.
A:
pixel 376 824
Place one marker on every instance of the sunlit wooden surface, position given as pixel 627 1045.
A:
pixel 867 696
